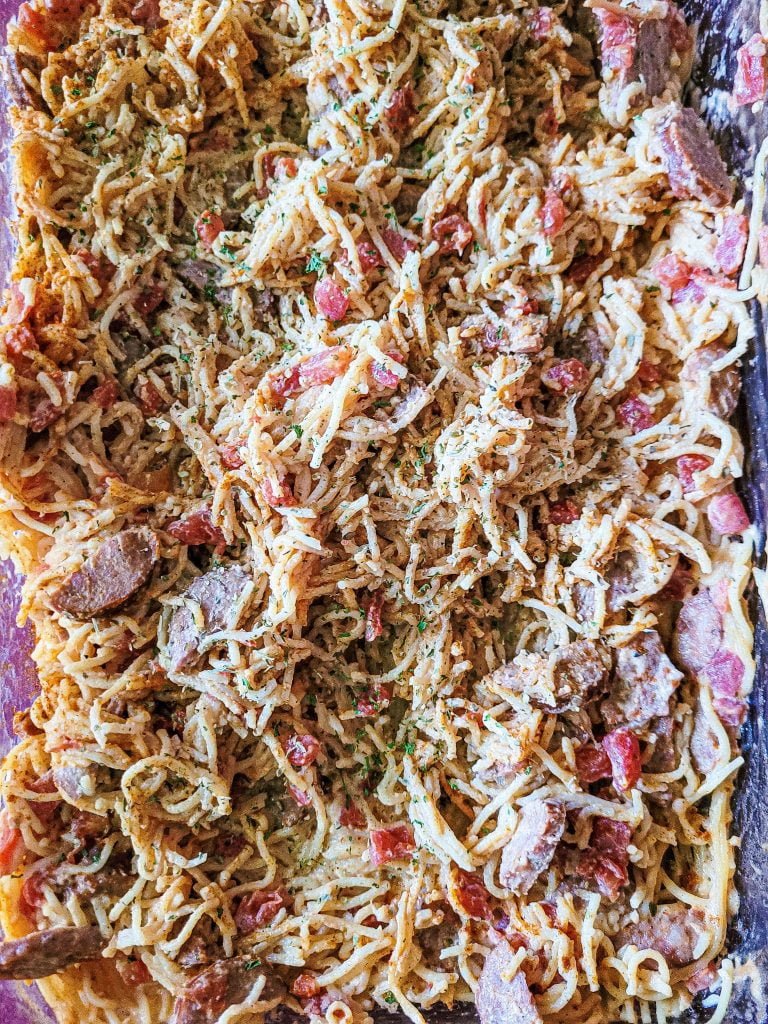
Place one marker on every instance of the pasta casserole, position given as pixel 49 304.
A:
pixel 365 383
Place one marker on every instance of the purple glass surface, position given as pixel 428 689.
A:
pixel 723 26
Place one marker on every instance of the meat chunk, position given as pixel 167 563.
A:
pixel 216 593
pixel 676 931
pixel 751 81
pixel 692 161
pixel 698 632
pixel 635 50
pixel 564 681
pixel 643 683
pixel 606 859
pixel 531 848
pixel 41 954
pixel 704 744
pixel 21 93
pixel 624 576
pixel 501 999
pixel 225 983
pixel 112 575
pixel 718 392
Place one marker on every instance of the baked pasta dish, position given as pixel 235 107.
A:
pixel 365 383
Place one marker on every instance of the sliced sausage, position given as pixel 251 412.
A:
pixel 718 391
pixel 225 983
pixel 21 93
pixel 564 681
pixel 698 632
pixel 41 954
pixel 704 744
pixel 643 682
pixel 501 999
pixel 216 593
pixel 111 575
pixel 532 847
pixel 692 161
pixel 676 931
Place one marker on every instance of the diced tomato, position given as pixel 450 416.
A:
pixel 592 764
pixel 570 376
pixel 257 908
pixel 607 857
pixel 369 256
pixel 134 972
pixel 43 414
pixel 762 246
pixel 146 12
pixel 19 305
pixel 150 398
pixel 732 243
pixel 8 402
pixel 280 495
pixel 400 112
pixel 331 300
pixel 374 699
pixel 208 227
pixel 671 271
pixel 751 81
pixel 731 710
pixel 561 513
pixel 31 897
pixel 726 514
pixel 20 341
pixel 373 626
pixel 12 849
pixel 304 986
pixel 196 528
pixel 280 166
pixel 635 415
pixel 41 30
pixel 687 465
pixel 725 673
pixel 397 243
pixel 553 214
pixel 395 842
pixel 230 455
pixel 352 817
pixel 623 749
pixel 473 896
pixel 582 267
pixel 100 269
pixel 322 368
pixel 452 233
pixel 106 394
pixel 648 373
pixel 618 39
pixel 149 299
pixel 302 798
pixel 702 980
pixel 301 749
pixel 541 22
pixel 383 376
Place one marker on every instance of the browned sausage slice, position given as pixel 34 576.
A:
pixel 217 592
pixel 531 848
pixel 223 984
pixel 501 999
pixel 676 931
pixel 111 575
pixel 643 683
pixel 692 160
pixel 41 954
